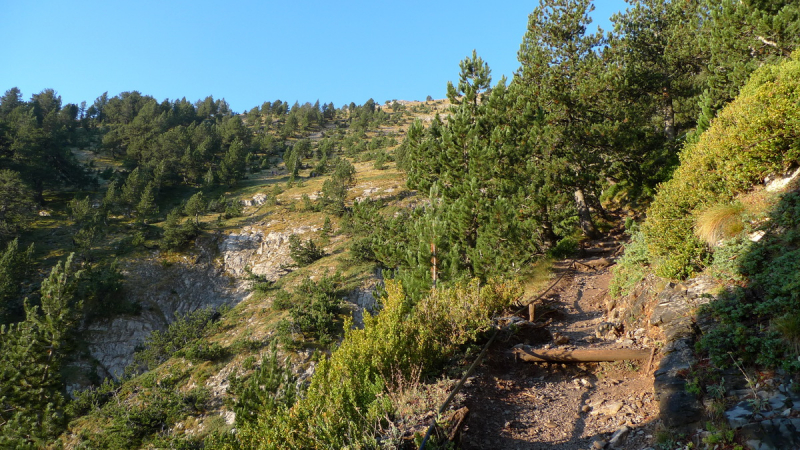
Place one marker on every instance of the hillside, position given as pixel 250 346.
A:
pixel 601 251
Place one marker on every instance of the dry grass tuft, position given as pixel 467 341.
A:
pixel 719 222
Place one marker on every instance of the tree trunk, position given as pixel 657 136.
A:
pixel 38 192
pixel 584 215
pixel 669 116
pixel 594 202
pixel 548 234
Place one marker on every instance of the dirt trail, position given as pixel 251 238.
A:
pixel 522 405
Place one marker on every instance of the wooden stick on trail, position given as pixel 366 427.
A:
pixel 526 353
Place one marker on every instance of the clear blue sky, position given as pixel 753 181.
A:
pixel 250 51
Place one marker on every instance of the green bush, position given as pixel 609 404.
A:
pixel 161 345
pixel 304 253
pixel 757 322
pixel 314 309
pixel 345 403
pixel 361 251
pixel 269 389
pixel 283 301
pixel 631 267
pixel 756 135
pixel 92 399
pixel 132 423
pixel 202 351
pixel 178 235
pixel 234 209
pixel 564 248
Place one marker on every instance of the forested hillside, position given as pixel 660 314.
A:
pixel 309 216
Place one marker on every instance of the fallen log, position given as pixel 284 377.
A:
pixel 526 353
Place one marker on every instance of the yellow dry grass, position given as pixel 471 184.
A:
pixel 726 220
pixel 722 221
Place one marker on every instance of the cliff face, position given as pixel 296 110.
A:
pixel 165 291
pixel 213 277
pixel 262 251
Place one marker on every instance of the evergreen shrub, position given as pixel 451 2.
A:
pixel 631 267
pixel 345 404
pixel 304 252
pixel 755 136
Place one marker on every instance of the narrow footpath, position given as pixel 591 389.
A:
pixel 514 404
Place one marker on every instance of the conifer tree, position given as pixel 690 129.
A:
pixel 739 37
pixel 334 189
pixel 292 160
pixel 654 46
pixel 233 165
pixel 16 266
pixel 146 207
pixel 31 403
pixel 560 62
pixel 16 205
pixel 195 206
pixel 479 185
pixel 131 192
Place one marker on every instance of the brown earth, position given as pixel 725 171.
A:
pixel 521 405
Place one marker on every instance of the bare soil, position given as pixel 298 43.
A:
pixel 515 404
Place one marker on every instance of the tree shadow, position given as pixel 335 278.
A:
pixel 757 319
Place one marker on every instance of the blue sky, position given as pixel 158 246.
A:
pixel 250 51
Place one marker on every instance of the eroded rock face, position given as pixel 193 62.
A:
pixel 363 299
pixel 264 253
pixel 674 312
pixel 165 292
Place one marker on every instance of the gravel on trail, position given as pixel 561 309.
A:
pixel 520 405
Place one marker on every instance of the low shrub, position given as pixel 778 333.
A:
pixel 757 321
pixel 282 301
pixel 161 345
pixel 631 267
pixel 304 252
pixel 345 403
pixel 565 248
pixel 202 351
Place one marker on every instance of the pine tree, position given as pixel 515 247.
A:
pixel 480 188
pixel 16 267
pixel 195 206
pixel 233 165
pixel 334 189
pixel 16 205
pixel 740 36
pixel 146 208
pixel 292 160
pixel 558 78
pixel 208 178
pixel 655 47
pixel 31 403
pixel 131 192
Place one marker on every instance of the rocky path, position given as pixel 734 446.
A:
pixel 521 405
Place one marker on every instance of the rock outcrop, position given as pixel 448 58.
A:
pixel 165 291
pixel 263 253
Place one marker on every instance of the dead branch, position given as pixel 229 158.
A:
pixel 526 353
